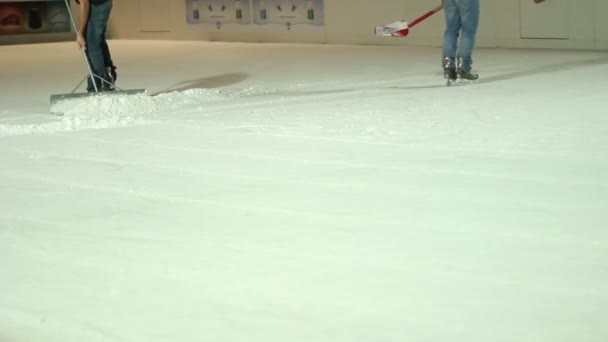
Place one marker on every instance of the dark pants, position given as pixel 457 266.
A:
pixel 97 46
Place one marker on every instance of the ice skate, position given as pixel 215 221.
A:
pixel 449 70
pixel 464 73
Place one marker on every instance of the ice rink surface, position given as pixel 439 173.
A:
pixel 268 192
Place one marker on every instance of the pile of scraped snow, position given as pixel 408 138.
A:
pixel 134 105
pixel 115 110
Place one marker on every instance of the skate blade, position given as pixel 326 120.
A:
pixel 58 98
pixel 460 82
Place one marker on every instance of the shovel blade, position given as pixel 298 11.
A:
pixel 389 30
pixel 59 98
pixel 401 33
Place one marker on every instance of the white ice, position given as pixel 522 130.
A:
pixel 267 192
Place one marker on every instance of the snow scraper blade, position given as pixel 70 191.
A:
pixel 58 99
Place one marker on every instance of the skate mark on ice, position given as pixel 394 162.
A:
pixel 548 69
pixel 345 164
pixel 212 203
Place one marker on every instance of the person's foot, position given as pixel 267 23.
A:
pixel 449 68
pixel 463 69
pixel 111 73
pixel 107 86
pixel 449 74
pixel 102 86
pixel 467 75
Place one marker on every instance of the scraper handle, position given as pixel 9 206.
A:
pixel 426 15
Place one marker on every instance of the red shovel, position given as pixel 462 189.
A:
pixel 402 28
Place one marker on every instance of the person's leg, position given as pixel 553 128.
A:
pixel 95 36
pixel 110 68
pixel 107 57
pixel 469 13
pixel 450 37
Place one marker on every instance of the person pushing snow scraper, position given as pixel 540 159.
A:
pixel 91 39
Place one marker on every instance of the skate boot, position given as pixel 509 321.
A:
pixel 110 79
pixel 94 85
pixel 464 73
pixel 111 69
pixel 449 70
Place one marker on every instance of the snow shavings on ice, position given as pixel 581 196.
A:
pixel 113 110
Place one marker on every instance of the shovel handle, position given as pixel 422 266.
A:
pixel 426 15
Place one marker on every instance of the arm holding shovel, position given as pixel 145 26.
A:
pixel 84 20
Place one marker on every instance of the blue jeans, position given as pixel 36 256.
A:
pixel 97 46
pixel 461 19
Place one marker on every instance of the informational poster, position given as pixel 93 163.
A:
pixel 274 14
pixel 33 17
pixel 288 12
pixel 12 18
pixel 218 12
pixel 58 17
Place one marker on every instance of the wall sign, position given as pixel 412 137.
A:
pixel 280 14
pixel 33 17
